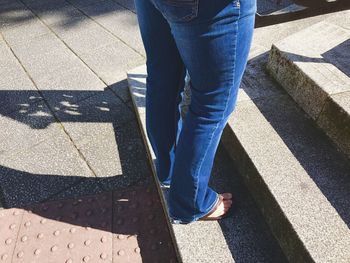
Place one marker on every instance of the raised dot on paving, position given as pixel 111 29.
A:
pixel 138 226
pixel 70 245
pixel 103 256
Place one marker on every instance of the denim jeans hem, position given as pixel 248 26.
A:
pixel 175 220
pixel 167 186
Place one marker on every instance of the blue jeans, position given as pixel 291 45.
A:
pixel 210 39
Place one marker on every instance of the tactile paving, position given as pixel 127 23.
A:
pixel 10 220
pixel 120 226
pixel 67 231
pixel 140 227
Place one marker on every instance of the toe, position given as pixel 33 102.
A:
pixel 227 196
pixel 227 202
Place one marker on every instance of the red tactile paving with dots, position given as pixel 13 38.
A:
pixel 127 226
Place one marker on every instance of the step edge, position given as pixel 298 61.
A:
pixel 293 88
pixel 150 155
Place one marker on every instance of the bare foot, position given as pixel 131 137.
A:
pixel 227 195
pixel 224 205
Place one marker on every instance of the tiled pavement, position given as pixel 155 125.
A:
pixel 69 133
pixel 65 111
pixel 108 227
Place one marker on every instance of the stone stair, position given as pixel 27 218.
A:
pixel 295 173
pixel 298 178
pixel 245 237
pixel 313 66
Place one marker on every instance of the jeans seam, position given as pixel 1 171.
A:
pixel 177 106
pixel 234 74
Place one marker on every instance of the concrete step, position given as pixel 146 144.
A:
pixel 313 67
pixel 244 237
pixel 298 178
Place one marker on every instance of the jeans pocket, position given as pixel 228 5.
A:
pixel 178 10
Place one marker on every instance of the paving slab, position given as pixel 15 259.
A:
pixel 67 230
pixel 341 19
pixel 50 60
pixel 108 14
pixel 231 240
pixel 121 89
pixel 312 73
pixel 129 4
pixel 69 86
pixel 112 61
pixel 14 14
pixel 82 3
pixel 120 166
pixel 266 36
pixel 39 46
pixel 98 115
pixel 105 131
pixel 48 3
pixel 10 221
pixel 6 2
pixel 84 38
pixel 85 186
pixel 148 227
pixel 57 13
pixel 72 229
pixel 24 32
pixel 32 175
pixel 16 89
pixel 34 122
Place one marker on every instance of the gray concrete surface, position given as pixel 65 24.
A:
pixel 313 71
pixel 293 170
pixel 67 128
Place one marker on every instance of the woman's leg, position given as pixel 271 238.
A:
pixel 165 82
pixel 213 39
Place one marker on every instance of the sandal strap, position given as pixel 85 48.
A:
pixel 219 201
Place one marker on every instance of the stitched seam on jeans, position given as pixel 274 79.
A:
pixel 200 166
pixel 234 74
pixel 217 199
pixel 177 106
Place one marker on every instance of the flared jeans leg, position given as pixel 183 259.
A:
pixel 211 40
pixel 165 83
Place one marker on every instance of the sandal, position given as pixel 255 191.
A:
pixel 220 200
